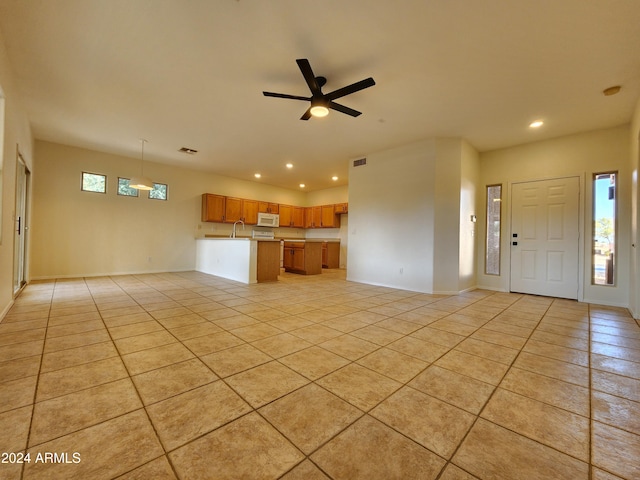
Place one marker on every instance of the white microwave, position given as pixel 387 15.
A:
pixel 268 220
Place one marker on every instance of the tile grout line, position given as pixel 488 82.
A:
pixel 143 406
pixel 35 391
pixel 478 415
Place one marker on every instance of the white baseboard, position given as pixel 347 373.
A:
pixel 107 274
pixel 6 310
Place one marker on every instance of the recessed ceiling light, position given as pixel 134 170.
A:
pixel 289 165
pixel 611 90
pixel 536 124
pixel 302 185
pixel 334 178
pixel 257 175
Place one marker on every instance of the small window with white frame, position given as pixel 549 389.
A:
pixel 94 182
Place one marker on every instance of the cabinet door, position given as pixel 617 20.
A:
pixel 287 258
pixel 250 212
pixel 263 207
pixel 298 217
pixel 298 258
pixel 308 217
pixel 233 210
pixel 286 218
pixel 341 208
pixel 329 218
pixel 213 207
pixel 274 208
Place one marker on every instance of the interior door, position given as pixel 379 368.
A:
pixel 20 226
pixel 545 237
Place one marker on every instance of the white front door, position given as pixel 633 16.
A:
pixel 545 237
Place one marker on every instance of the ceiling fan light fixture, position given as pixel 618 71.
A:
pixel 319 111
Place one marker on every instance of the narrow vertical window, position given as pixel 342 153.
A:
pixel 604 228
pixel 494 220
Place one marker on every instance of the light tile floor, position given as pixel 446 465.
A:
pixel 185 375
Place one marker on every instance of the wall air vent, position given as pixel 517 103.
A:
pixel 357 163
pixel 190 151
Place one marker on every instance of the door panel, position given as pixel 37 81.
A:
pixel 545 237
pixel 20 226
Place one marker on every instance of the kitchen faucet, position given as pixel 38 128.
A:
pixel 233 232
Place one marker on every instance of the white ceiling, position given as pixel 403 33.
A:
pixel 101 74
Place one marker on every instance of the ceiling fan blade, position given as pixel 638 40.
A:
pixel 307 114
pixel 343 109
pixel 284 95
pixel 349 89
pixel 307 73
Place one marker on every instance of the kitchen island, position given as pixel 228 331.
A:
pixel 302 256
pixel 245 260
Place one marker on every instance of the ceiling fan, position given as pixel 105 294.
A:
pixel 322 102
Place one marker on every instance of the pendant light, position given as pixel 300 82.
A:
pixel 141 182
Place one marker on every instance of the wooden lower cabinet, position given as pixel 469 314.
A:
pixel 303 257
pixel 331 254
pixel 268 261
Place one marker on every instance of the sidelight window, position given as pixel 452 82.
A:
pixel 494 221
pixel 604 228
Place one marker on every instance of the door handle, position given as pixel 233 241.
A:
pixel 19 225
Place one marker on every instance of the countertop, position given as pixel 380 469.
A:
pixel 210 237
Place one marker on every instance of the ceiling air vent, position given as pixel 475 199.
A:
pixel 362 161
pixel 190 151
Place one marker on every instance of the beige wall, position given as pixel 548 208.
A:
pixel 576 155
pixel 17 136
pixel 406 207
pixel 469 201
pixel 634 166
pixel 79 233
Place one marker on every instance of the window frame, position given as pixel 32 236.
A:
pixel 488 229
pixel 137 193
pixel 166 192
pixel 594 222
pixel 82 189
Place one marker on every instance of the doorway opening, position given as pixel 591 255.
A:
pixel 21 225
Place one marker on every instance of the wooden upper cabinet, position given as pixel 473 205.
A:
pixel 297 217
pixel 286 215
pixel 329 219
pixel 250 211
pixel 341 208
pixel 266 207
pixel 233 210
pixel 218 208
pixel 308 217
pixel 213 207
pixel 291 216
